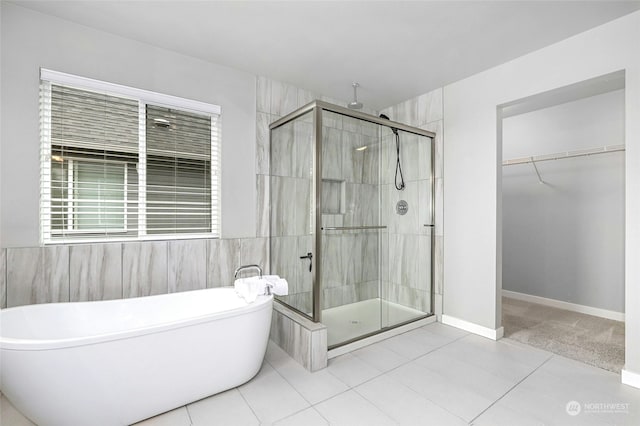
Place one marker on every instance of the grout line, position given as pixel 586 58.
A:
pixel 395 368
pixel 512 388
pixel 186 407
pixel 247 402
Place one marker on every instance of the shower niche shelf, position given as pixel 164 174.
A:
pixel 333 197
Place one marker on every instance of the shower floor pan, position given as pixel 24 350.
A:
pixel 348 322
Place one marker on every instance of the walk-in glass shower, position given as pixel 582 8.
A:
pixel 351 218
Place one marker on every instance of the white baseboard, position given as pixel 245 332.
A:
pixel 493 334
pixel 631 379
pixel 589 310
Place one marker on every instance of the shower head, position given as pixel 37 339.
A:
pixel 355 104
pixel 393 129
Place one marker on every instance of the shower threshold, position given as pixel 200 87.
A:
pixel 349 323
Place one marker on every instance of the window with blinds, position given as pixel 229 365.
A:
pixel 121 163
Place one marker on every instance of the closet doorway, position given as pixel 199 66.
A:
pixel 563 195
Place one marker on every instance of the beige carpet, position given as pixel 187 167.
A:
pixel 592 340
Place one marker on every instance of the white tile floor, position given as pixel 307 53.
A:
pixel 434 375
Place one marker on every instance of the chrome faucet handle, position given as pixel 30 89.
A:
pixel 243 267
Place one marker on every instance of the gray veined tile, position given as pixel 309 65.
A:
pixel 424 156
pixel 362 204
pixel 262 143
pixel 263 95
pixel 304 144
pixel 404 269
pixel 284 200
pixel 255 251
pixel 371 160
pixel 56 273
pixel 284 98
pixel 425 202
pixel 305 97
pixel 223 258
pixel 439 264
pixel 439 207
pixel 304 277
pixel 24 275
pixel 332 156
pixel 284 260
pixel 436 127
pixel 406 112
pixel 331 119
pixel 412 156
pixel 332 264
pixel 283 154
pixel 3 278
pixel 187 265
pixel 352 258
pixel 95 272
pixel 353 157
pixel 370 258
pixel 144 268
pixel 262 205
pixel 302 206
pixel 388 156
pixel 430 107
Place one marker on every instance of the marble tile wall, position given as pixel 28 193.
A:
pixel 407 280
pixel 95 272
pixel 187 269
pixel 304 340
pixel 3 278
pixel 36 275
pixel 88 272
pixel 144 268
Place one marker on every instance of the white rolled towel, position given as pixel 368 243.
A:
pixel 249 288
pixel 279 286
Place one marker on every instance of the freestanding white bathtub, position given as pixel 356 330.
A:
pixel 121 361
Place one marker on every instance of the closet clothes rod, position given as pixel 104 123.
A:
pixel 561 155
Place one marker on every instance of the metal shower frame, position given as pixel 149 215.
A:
pixel 317 107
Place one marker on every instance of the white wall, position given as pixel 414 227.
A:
pixel 564 240
pixel 31 40
pixel 472 154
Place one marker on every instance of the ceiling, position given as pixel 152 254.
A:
pixel 395 49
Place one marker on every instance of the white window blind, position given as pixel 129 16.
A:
pixel 115 166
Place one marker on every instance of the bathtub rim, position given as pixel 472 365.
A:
pixel 17 344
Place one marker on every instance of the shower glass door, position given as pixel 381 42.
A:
pixel 408 211
pixel 375 258
pixel 292 200
pixel 351 209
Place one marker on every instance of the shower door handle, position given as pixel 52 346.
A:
pixel 308 256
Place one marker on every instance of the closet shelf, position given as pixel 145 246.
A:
pixel 566 154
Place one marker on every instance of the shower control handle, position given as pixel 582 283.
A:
pixel 308 256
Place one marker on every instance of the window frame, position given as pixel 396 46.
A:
pixel 144 98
